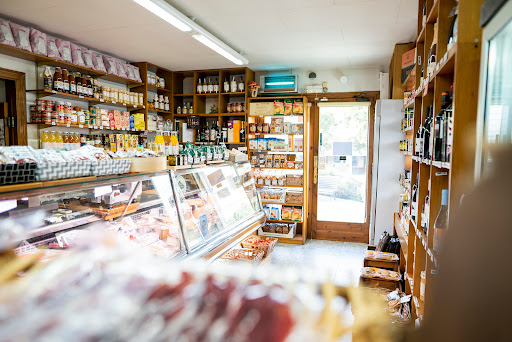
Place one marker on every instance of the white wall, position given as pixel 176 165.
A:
pixel 359 79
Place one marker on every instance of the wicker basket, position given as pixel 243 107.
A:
pixel 267 249
pixel 244 254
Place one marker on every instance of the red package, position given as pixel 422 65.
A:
pixel 110 64
pixel 64 47
pixel 121 68
pixel 97 61
pixel 51 48
pixel 87 56
pixel 21 36
pixel 38 41
pixel 6 36
pixel 77 55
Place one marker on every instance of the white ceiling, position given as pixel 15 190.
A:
pixel 272 34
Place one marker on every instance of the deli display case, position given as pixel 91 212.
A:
pixel 190 213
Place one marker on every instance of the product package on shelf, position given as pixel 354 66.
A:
pixel 265 244
pixel 21 36
pixel 244 255
pixel 375 255
pixel 280 230
pixel 77 55
pixel 51 165
pixel 6 36
pixel 17 165
pixel 379 273
pixel 51 48
pixel 272 195
pixel 64 47
pixel 38 41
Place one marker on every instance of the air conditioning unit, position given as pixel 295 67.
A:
pixel 279 84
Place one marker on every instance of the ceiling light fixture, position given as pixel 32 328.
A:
pixel 166 12
pixel 221 48
pixel 174 17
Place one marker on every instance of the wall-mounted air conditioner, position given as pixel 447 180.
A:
pixel 279 84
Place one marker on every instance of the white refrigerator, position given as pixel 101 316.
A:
pixel 388 164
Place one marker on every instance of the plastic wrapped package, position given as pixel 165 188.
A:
pixel 136 73
pixel 100 295
pixel 17 154
pixel 64 47
pixel 21 36
pixel 110 65
pixel 375 255
pixel 88 58
pixel 51 48
pixel 121 69
pixel 6 36
pixel 38 41
pixel 48 156
pixel 379 273
pixel 97 60
pixel 77 55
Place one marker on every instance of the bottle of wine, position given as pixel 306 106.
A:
pixel 427 134
pixel 439 131
pixel 418 150
pixel 213 133
pixel 206 133
pixel 449 127
pixel 199 86
pixel 242 133
pixel 441 223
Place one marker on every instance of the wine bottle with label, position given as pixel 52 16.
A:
pixel 199 86
pixel 441 223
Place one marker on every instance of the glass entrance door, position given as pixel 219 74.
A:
pixel 341 174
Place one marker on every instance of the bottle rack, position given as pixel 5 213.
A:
pixel 452 67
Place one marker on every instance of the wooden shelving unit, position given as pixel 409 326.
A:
pixel 302 229
pixel 455 65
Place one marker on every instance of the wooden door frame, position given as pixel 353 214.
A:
pixel 353 232
pixel 18 105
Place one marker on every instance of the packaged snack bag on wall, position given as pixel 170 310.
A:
pixel 77 55
pixel 278 107
pixel 121 69
pixel 297 214
pixel 97 61
pixel 129 72
pixel 87 56
pixel 110 64
pixel 38 41
pixel 136 73
pixel 64 47
pixel 6 36
pixel 298 107
pixel 51 48
pixel 287 213
pixel 21 36
pixel 288 107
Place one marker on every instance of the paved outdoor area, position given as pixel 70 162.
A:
pixel 341 261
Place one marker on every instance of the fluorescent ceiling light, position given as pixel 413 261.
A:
pixel 166 12
pixel 280 83
pixel 222 50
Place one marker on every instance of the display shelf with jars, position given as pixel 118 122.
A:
pixel 441 98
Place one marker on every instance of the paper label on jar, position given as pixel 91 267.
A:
pixel 73 88
pixel 7 33
pixel 24 39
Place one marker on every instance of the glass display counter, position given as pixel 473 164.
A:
pixel 178 213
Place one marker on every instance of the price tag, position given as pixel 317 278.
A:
pixel 101 127
pixel 53 91
pixel 95 127
pixel 81 126
pixel 134 106
pixel 101 100
pixel 261 116
pixel 68 125
pixel 143 106
pixel 80 96
pixel 203 225
pixel 90 126
pixel 102 190
pixel 113 102
pixel 53 123
pixel 124 104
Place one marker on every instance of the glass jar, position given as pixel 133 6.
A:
pixel 106 93
pixel 141 99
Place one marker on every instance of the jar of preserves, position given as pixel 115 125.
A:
pixel 106 93
pixel 141 99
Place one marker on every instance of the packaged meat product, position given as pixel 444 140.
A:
pixel 38 41
pixel 110 64
pixel 64 47
pixel 77 55
pixel 48 156
pixel 21 36
pixel 51 48
pixel 17 154
pixel 121 69
pixel 76 155
pixel 87 56
pixel 97 61
pixel 6 36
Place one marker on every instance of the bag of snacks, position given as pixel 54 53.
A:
pixel 287 213
pixel 77 55
pixel 64 47
pixel 278 107
pixel 17 155
pixel 379 273
pixel 51 48
pixel 88 58
pixel 110 64
pixel 298 107
pixel 97 61
pixel 38 41
pixel 129 72
pixel 121 69
pixel 297 214
pixel 288 107
pixel 48 156
pixel 21 36
pixel 77 155
pixel 6 36
pixel 375 255
pixel 136 73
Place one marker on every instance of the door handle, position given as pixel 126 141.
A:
pixel 315 170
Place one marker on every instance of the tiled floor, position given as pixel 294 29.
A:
pixel 341 261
